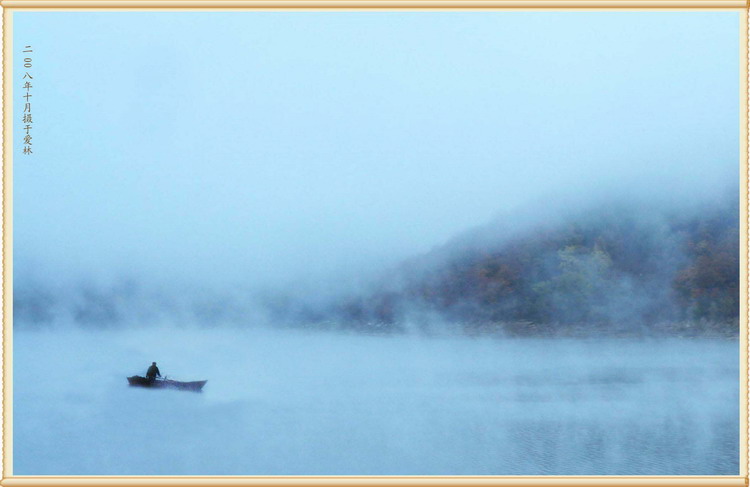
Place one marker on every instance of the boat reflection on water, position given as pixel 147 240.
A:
pixel 195 386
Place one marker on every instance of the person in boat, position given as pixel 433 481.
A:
pixel 153 372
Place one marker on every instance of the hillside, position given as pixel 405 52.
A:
pixel 621 269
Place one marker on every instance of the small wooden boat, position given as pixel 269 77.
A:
pixel 139 381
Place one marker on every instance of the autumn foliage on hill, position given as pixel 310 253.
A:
pixel 622 268
pixel 612 268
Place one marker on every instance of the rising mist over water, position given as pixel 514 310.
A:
pixel 305 403
pixel 612 266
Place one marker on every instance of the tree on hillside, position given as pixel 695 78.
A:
pixel 577 290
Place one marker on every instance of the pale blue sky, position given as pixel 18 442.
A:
pixel 260 146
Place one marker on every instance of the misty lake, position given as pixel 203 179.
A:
pixel 314 403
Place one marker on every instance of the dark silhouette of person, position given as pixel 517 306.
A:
pixel 153 372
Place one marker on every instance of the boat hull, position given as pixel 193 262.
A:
pixel 138 381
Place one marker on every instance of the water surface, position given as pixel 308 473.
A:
pixel 306 403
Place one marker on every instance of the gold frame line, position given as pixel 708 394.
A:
pixel 380 4
pixel 11 6
pixel 7 250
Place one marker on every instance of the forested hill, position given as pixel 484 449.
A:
pixel 620 268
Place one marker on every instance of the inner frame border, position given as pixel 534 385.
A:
pixel 11 6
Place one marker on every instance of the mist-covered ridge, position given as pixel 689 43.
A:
pixel 620 267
